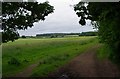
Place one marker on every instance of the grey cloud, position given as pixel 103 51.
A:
pixel 62 20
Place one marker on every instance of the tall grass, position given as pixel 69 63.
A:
pixel 106 52
pixel 50 53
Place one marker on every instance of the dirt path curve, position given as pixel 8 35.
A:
pixel 87 65
pixel 27 72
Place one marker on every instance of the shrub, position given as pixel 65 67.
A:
pixel 14 61
pixel 23 36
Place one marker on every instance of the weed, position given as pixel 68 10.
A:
pixel 25 60
pixel 14 61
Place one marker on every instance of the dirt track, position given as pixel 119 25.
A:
pixel 27 72
pixel 87 65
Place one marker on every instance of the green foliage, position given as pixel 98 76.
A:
pixel 14 61
pixel 20 16
pixel 105 51
pixel 105 17
pixel 56 35
pixel 88 34
pixel 23 36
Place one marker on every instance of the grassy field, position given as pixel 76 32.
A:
pixel 51 53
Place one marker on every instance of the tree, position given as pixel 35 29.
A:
pixel 23 36
pixel 20 16
pixel 106 17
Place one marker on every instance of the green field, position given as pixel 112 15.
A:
pixel 51 53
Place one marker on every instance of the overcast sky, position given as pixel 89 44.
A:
pixel 63 20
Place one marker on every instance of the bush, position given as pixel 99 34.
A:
pixel 23 36
pixel 14 61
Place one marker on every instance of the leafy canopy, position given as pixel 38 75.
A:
pixel 106 17
pixel 20 16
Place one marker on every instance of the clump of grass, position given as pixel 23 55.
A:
pixel 83 43
pixel 25 60
pixel 52 59
pixel 14 61
pixel 104 52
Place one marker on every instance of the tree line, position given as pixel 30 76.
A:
pixel 55 35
